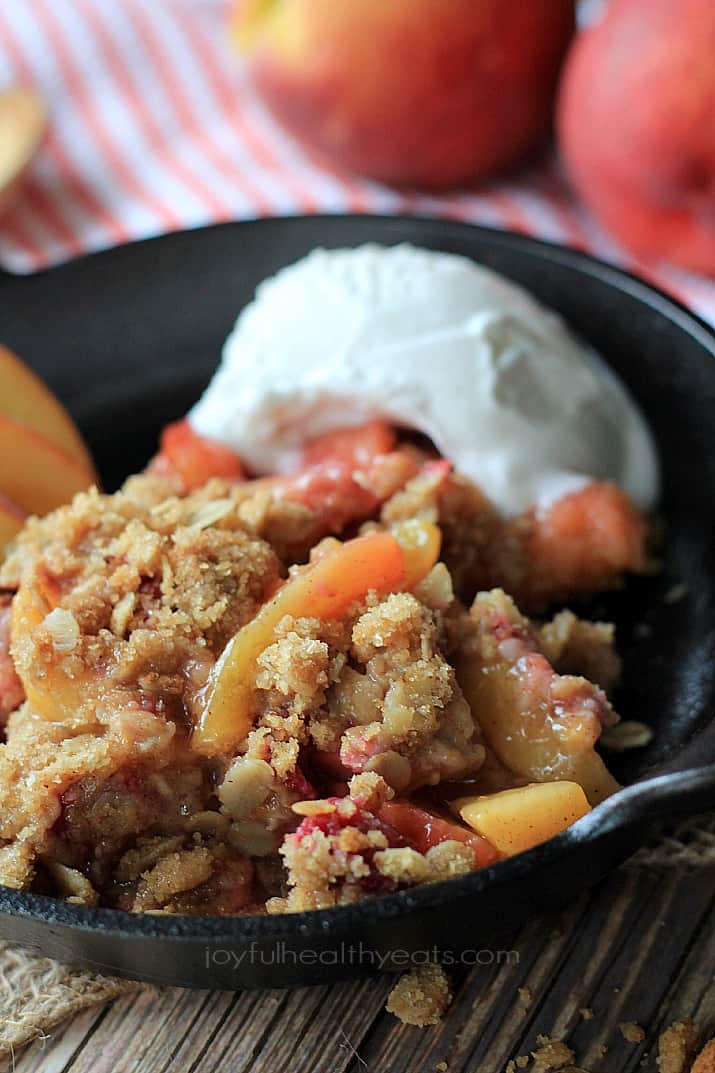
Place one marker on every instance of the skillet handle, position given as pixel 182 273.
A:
pixel 682 793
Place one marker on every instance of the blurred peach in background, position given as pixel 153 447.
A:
pixel 637 126
pixel 23 121
pixel 416 92
pixel 425 94
pixel 162 118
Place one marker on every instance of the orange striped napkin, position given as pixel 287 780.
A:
pixel 155 127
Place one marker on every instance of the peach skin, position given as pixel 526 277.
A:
pixel 411 92
pixel 637 130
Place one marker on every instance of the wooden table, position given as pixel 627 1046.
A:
pixel 639 947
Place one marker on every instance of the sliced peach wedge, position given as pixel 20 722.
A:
pixel 383 562
pixel 23 122
pixel 515 820
pixel 54 696
pixel 540 725
pixel 34 473
pixel 12 519
pixel 24 398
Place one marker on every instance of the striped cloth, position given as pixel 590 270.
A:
pixel 155 127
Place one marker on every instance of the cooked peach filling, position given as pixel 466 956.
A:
pixel 226 695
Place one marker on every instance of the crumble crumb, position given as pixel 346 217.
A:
pixel 403 865
pixel 676 1046
pixel 441 1067
pixel 629 734
pixel 448 859
pixel 586 1013
pixel 551 1054
pixel 575 646
pixel 525 996
pixel 705 1062
pixel 675 593
pixel 632 1032
pixel 370 790
pixel 312 808
pixel 421 996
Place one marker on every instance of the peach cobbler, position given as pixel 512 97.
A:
pixel 318 651
pixel 225 695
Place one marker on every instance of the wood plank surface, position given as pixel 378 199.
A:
pixel 639 947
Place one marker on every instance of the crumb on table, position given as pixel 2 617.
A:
pixel 517 1063
pixel 632 1032
pixel 421 996
pixel 551 1054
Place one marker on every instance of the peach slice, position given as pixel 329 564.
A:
pixel 53 695
pixel 515 820
pixel 426 830
pixel 384 562
pixel 12 518
pixel 34 473
pixel 23 121
pixel 540 725
pixel 328 71
pixel 25 398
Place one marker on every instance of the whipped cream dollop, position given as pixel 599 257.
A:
pixel 431 342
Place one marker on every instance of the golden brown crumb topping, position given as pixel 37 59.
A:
pixel 129 598
pixel 705 1061
pixel 676 1046
pixel 114 613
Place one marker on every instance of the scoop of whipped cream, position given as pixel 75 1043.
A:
pixel 435 343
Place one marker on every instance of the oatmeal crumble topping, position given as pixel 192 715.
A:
pixel 676 1047
pixel 115 612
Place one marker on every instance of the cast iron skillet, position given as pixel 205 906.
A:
pixel 129 337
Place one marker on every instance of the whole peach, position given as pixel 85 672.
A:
pixel 636 126
pixel 429 93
